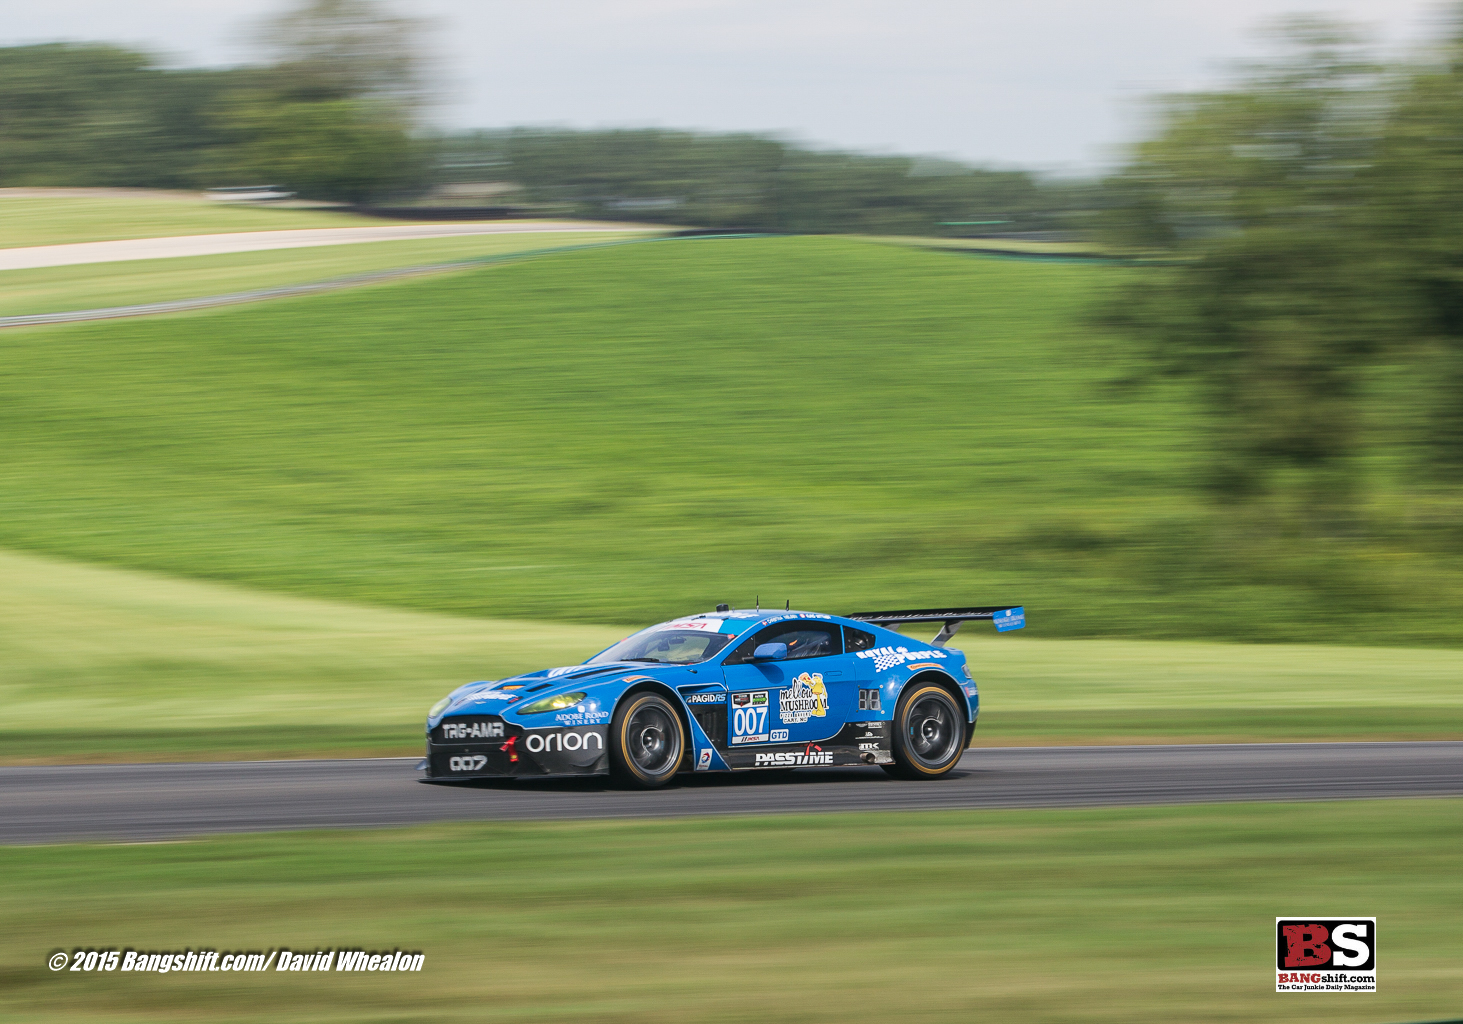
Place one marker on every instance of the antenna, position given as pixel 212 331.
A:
pixel 759 602
pixel 788 606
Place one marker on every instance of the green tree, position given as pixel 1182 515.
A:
pixel 340 150
pixel 92 114
pixel 1280 299
pixel 1417 213
pixel 324 50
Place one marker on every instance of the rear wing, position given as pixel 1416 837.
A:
pixel 1005 617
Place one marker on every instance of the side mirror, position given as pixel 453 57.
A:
pixel 770 652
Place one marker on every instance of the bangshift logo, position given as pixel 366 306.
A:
pixel 1325 954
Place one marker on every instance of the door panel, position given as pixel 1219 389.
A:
pixel 796 701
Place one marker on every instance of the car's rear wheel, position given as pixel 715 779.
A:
pixel 647 741
pixel 929 733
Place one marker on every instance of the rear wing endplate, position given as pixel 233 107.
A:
pixel 1005 617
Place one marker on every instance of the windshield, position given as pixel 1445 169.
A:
pixel 666 646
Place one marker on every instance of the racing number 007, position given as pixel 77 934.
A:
pixel 749 721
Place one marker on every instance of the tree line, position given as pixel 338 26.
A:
pixel 332 110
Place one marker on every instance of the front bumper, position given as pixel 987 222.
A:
pixel 488 746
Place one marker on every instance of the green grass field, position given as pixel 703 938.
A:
pixel 100 664
pixel 93 286
pixel 1014 246
pixel 54 218
pixel 1131 916
pixel 615 435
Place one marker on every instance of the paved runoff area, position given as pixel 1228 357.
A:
pixel 153 801
pixel 32 257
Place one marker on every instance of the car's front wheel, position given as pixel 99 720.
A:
pixel 929 733
pixel 647 741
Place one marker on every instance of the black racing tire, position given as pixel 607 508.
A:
pixel 647 741
pixel 930 732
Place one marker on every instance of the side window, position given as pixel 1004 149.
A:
pixel 803 639
pixel 857 639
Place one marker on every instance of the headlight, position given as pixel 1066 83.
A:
pixel 559 703
pixel 439 707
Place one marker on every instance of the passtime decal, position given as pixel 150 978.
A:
pixel 812 754
pixel 806 698
pixel 888 657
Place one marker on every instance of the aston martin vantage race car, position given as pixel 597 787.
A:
pixel 730 690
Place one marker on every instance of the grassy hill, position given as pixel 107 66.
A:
pixel 621 434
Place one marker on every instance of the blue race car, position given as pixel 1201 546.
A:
pixel 730 690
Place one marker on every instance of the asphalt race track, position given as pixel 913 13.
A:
pixel 157 801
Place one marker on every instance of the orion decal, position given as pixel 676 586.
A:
pixel 556 742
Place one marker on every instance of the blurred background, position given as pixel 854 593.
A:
pixel 1210 372
pixel 354 350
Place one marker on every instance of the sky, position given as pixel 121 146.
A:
pixel 1054 85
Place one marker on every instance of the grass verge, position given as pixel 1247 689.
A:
pixel 94 286
pixel 57 216
pixel 1132 916
pixel 101 664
